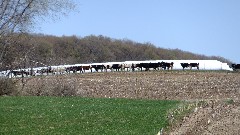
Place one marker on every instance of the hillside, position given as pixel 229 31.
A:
pixel 41 50
pixel 218 92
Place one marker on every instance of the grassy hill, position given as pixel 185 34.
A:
pixel 82 116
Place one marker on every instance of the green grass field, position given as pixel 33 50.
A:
pixel 85 116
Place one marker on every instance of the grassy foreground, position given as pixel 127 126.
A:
pixel 85 116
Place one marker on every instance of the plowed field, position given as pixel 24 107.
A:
pixel 221 91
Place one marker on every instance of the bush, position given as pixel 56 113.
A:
pixel 7 86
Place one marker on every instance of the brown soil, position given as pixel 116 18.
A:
pixel 221 91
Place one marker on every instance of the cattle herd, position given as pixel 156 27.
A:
pixel 102 67
pixel 236 66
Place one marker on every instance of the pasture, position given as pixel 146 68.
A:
pixel 82 116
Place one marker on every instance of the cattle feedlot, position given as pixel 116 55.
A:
pixel 218 90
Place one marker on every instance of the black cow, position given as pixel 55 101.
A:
pixel 194 65
pixel 191 65
pixel 143 65
pixel 139 66
pixel 147 66
pixel 166 65
pixel 236 67
pixel 155 66
pixel 185 65
pixel 117 67
pixel 74 69
pixel 98 67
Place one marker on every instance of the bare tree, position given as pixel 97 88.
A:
pixel 19 16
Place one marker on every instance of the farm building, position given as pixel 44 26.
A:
pixel 203 64
pixel 124 66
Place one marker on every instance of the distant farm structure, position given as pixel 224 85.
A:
pixel 126 66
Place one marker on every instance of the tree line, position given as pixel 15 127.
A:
pixel 18 49
pixel 34 50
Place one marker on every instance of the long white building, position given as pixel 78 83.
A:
pixel 203 64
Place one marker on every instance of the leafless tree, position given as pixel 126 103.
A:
pixel 19 16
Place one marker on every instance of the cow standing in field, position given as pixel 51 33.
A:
pixel 185 65
pixel 117 67
pixel 69 69
pixel 75 69
pixel 141 65
pixel 85 67
pixel 191 65
pixel 236 67
pixel 166 65
pixel 155 65
pixel 137 66
pixel 133 66
pixel 144 65
pixel 98 67
pixel 194 65
pixel 107 66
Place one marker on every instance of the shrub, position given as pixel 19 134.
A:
pixel 7 86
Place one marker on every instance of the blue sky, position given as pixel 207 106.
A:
pixel 209 27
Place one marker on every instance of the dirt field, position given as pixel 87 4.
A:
pixel 220 90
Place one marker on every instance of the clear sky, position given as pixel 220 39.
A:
pixel 209 27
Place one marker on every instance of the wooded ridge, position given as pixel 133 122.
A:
pixel 32 50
